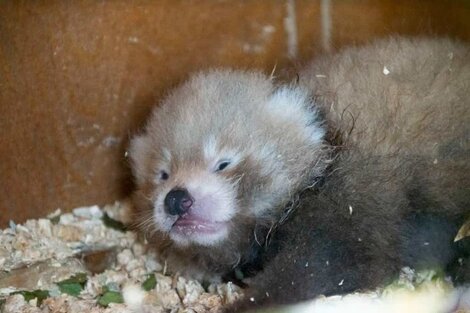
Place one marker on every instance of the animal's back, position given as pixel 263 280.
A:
pixel 404 101
pixel 398 94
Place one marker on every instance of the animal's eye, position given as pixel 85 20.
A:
pixel 222 165
pixel 164 175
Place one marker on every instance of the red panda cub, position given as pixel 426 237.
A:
pixel 325 185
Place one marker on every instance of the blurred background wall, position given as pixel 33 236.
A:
pixel 77 78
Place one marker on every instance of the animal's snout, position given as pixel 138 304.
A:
pixel 178 201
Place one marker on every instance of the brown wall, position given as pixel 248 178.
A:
pixel 78 77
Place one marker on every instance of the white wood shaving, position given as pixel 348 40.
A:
pixel 386 71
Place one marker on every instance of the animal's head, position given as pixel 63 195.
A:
pixel 226 146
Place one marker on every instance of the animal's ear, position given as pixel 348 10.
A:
pixel 293 104
pixel 140 154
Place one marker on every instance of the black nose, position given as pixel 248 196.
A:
pixel 178 201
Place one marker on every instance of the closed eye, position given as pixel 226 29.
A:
pixel 222 165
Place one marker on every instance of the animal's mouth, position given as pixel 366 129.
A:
pixel 190 224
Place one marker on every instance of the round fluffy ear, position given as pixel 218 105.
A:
pixel 140 156
pixel 293 104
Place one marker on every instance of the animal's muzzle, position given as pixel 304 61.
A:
pixel 178 201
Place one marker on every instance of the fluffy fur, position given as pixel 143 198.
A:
pixel 314 206
pixel 240 117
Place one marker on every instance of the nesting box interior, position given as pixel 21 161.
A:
pixel 78 78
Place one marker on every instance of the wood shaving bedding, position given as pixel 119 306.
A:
pixel 84 261
pixel 41 258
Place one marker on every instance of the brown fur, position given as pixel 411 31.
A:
pixel 394 195
pixel 402 168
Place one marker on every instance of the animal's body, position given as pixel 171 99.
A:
pixel 326 185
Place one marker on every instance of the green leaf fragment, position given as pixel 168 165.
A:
pixel 149 283
pixel 110 297
pixel 112 223
pixel 55 220
pixel 30 295
pixel 71 289
pixel 73 285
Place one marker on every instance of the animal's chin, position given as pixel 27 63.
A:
pixel 190 228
